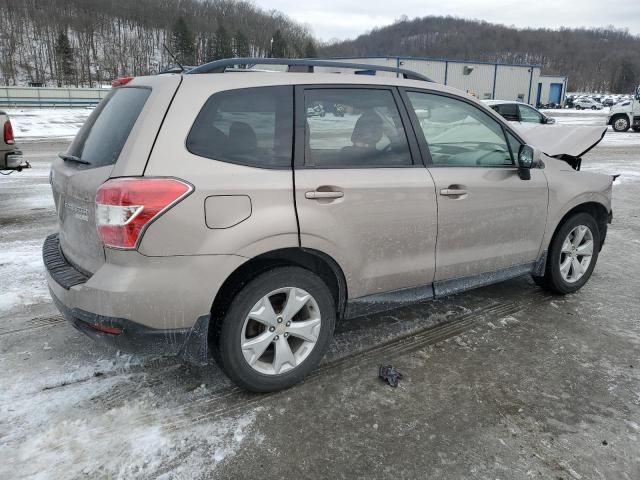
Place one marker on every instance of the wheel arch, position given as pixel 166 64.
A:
pixel 597 210
pixel 316 261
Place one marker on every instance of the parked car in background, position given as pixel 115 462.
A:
pixel 10 155
pixel 215 212
pixel 518 112
pixel 584 103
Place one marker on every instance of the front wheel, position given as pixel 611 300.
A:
pixel 636 129
pixel 276 330
pixel 572 255
pixel 578 107
pixel 620 123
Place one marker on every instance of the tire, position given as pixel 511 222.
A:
pixel 620 123
pixel 636 129
pixel 267 374
pixel 554 279
pixel 594 108
pixel 578 107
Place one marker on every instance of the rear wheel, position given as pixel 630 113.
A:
pixel 578 107
pixel 572 255
pixel 636 129
pixel 276 330
pixel 620 123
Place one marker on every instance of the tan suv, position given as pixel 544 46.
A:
pixel 215 211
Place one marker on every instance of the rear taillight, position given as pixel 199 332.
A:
pixel 8 133
pixel 126 206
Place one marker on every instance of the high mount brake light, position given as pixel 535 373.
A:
pixel 119 82
pixel 8 133
pixel 126 206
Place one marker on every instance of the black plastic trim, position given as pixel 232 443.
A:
pixel 60 269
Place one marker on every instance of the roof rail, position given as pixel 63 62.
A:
pixel 295 64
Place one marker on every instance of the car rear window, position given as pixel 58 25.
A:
pixel 100 140
pixel 249 126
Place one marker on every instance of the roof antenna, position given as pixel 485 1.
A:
pixel 173 56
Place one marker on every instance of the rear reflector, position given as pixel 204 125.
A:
pixel 105 329
pixel 8 133
pixel 126 206
pixel 119 82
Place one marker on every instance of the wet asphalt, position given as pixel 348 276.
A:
pixel 503 382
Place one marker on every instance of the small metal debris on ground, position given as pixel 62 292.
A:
pixel 390 374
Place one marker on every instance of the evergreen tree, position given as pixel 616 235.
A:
pixel 626 78
pixel 278 45
pixel 64 52
pixel 242 45
pixel 182 42
pixel 224 49
pixel 310 50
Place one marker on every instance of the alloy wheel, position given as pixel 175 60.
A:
pixel 280 331
pixel 576 253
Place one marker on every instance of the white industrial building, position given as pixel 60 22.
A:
pixel 484 80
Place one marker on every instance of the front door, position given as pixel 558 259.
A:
pixel 488 217
pixel 362 194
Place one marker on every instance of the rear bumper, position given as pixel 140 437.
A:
pixel 12 160
pixel 187 343
pixel 161 305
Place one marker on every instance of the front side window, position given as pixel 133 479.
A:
pixel 249 126
pixel 529 115
pixel 458 133
pixel 353 128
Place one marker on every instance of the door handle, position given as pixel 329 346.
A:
pixel 452 192
pixel 317 195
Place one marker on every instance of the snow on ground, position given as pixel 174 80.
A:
pixel 22 275
pixel 56 431
pixel 29 123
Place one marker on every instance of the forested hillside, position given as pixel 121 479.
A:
pixel 594 59
pixel 88 42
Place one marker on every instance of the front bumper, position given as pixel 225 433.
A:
pixel 160 305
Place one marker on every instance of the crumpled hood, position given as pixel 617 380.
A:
pixel 562 140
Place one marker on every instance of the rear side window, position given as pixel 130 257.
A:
pixel 101 138
pixel 250 126
pixel 354 128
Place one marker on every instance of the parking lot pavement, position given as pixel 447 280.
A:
pixel 502 382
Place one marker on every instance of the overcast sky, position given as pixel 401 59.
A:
pixel 348 18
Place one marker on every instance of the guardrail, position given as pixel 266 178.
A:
pixel 50 96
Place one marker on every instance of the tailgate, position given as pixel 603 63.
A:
pixel 116 140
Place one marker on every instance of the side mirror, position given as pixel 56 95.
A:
pixel 525 161
pixel 549 120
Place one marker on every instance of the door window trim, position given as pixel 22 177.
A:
pixel 424 145
pixel 300 116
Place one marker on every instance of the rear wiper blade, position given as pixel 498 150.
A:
pixel 72 158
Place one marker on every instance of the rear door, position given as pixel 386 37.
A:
pixel 488 218
pixel 115 140
pixel 362 194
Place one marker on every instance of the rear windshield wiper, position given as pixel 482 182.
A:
pixel 72 158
